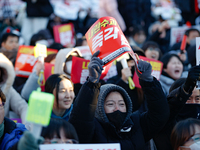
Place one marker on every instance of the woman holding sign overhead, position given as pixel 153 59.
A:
pixel 103 114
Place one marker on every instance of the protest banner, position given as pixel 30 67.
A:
pixel 101 146
pixel 48 71
pixel 40 106
pixel 198 57
pixel 105 35
pixel 80 72
pixel 64 34
pixel 156 70
pixel 26 60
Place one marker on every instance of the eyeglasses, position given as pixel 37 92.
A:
pixel 151 49
pixel 195 138
pixel 59 141
pixel 2 104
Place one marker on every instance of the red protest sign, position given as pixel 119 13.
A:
pixel 64 34
pixel 105 35
pixel 25 60
pixel 80 72
pixel 48 71
pixel 183 43
pixel 156 70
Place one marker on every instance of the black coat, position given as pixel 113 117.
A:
pixel 176 100
pixel 143 126
pixel 41 8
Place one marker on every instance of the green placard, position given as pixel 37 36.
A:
pixel 40 107
pixel 40 50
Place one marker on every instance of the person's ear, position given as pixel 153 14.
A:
pixel 2 44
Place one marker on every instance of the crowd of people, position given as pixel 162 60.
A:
pixel 162 114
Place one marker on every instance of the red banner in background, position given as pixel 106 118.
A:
pixel 64 34
pixel 25 60
pixel 105 35
pixel 80 72
pixel 48 71
pixel 156 70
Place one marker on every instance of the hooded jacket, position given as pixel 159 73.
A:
pixel 92 125
pixel 12 133
pixel 132 93
pixel 13 99
pixel 62 57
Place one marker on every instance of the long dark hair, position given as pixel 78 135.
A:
pixel 183 131
pixel 53 82
pixel 55 126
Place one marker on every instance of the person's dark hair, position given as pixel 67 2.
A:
pixel 57 46
pixel 177 84
pixel 6 35
pixel 53 82
pixel 49 58
pixel 138 50
pixel 152 44
pixel 36 37
pixel 55 126
pixel 187 32
pixel 183 131
pixel 137 29
pixel 167 57
pixel 2 96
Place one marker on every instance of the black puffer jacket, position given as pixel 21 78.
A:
pixel 92 125
pixel 176 100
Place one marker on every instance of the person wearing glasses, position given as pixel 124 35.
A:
pixel 186 135
pixel 58 131
pixel 151 50
pixel 10 132
pixel 103 114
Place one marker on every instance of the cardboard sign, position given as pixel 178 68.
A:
pixel 40 106
pixel 64 34
pixel 105 35
pixel 156 70
pixel 48 71
pixel 80 72
pixel 80 146
pixel 26 60
pixel 198 57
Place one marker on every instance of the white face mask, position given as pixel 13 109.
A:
pixel 68 67
pixel 195 146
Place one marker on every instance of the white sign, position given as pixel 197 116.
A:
pixel 198 57
pixel 176 33
pixel 80 146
